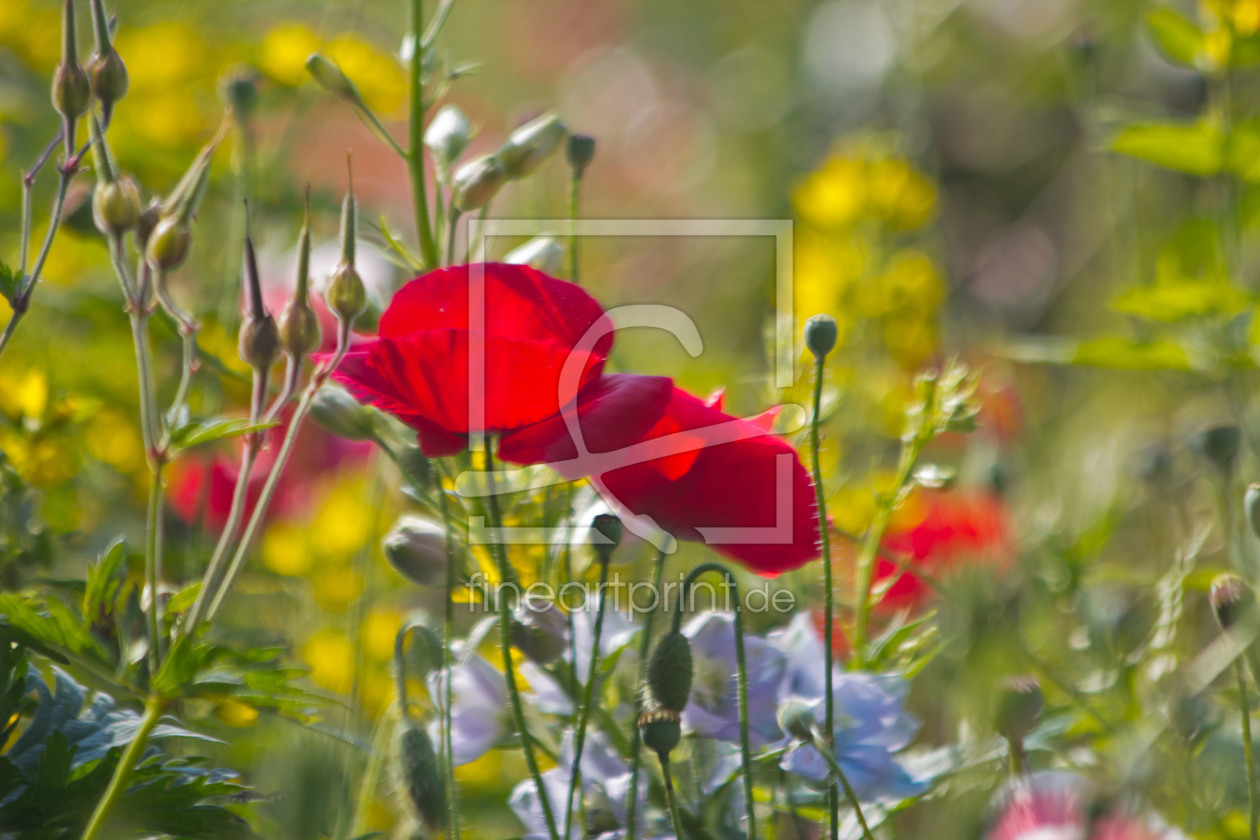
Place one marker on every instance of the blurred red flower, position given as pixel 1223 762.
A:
pixel 432 342
pixel 953 528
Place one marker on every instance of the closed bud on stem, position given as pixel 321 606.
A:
pixel 1219 444
pixel 448 134
pixel 147 222
pixel 1251 505
pixel 530 145
pixel 239 90
pixel 579 152
pixel 542 252
pixel 331 78
pixel 340 414
pixel 259 338
pixel 186 197
pixel 539 630
pixel 476 183
pixel 660 729
pixel 116 199
pixel 1231 599
pixel 820 335
pixel 167 246
pixel 108 73
pixel 796 718
pixel 669 672
pixel 1018 708
pixel 299 325
pixel 416 548
pixel 71 90
pixel 346 296
pixel 606 533
pixel 422 777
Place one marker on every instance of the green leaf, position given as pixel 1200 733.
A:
pixel 1176 35
pixel 105 580
pixel 183 599
pixel 208 431
pixel 1182 300
pixel 9 282
pixel 1194 149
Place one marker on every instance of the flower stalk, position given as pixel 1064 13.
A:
pixel 636 743
pixel 415 141
pixel 153 709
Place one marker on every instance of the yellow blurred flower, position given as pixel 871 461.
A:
pixel 379 75
pixel 900 194
pixel 23 395
pixel 330 657
pixel 284 52
pixel 41 459
pixel 33 32
pixel 380 628
pixel 236 714
pixel 284 550
pixel 834 196
pixel 115 440
pixel 336 588
pixel 342 523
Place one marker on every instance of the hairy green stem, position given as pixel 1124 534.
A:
pixel 824 749
pixel 636 744
pixel 1253 796
pixel 671 801
pixel 415 142
pixel 153 709
pixel 448 636
pixel 588 691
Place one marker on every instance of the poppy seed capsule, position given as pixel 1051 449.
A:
pixel 661 730
pixel 147 222
pixel 669 671
pixel 422 777
pixel 1251 505
pixel 1018 711
pixel 259 342
pixel 167 245
pixel 530 145
pixel 539 630
pixel 1219 444
pixel 108 77
pixel 579 152
pixel 820 335
pixel 1231 599
pixel 116 206
pixel 346 296
pixel 71 90
pixel 299 328
pixel 416 548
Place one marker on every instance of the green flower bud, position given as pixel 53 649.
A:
pixel 116 205
pixel 299 328
pixel 1018 709
pixel 340 414
pixel 606 533
pixel 1219 444
pixel 346 296
pixel 530 145
pixel 476 183
pixel 109 79
pixel 579 151
pixel 1251 505
pixel 448 134
pixel 239 91
pixel 259 342
pixel 71 89
pixel 796 718
pixel 669 672
pixel 539 630
pixel 1231 599
pixel 422 777
pixel 167 245
pixel 416 548
pixel 661 730
pixel 147 222
pixel 330 77
pixel 820 335
pixel 542 252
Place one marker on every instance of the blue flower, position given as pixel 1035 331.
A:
pixel 480 716
pixel 713 709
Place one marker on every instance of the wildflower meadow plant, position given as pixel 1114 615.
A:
pixel 328 508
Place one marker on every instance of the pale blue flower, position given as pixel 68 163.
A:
pixel 713 709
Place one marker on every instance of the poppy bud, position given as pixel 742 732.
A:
pixel 539 630
pixel 448 134
pixel 1219 444
pixel 299 325
pixel 422 777
pixel 1018 710
pixel 416 548
pixel 579 152
pixel 239 90
pixel 669 672
pixel 71 90
pixel 477 182
pixel 1231 599
pixel 1251 505
pixel 340 414
pixel 107 72
pixel 796 718
pixel 147 222
pixel 530 145
pixel 167 245
pixel 661 730
pixel 821 335
pixel 346 296
pixel 606 534
pixel 330 77
pixel 116 205
pixel 542 252
pixel 259 341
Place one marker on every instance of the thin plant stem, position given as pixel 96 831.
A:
pixel 448 637
pixel 830 757
pixel 636 743
pixel 505 644
pixel 588 692
pixel 829 596
pixel 1244 709
pixel 415 141
pixel 153 566
pixel 371 775
pixel 574 184
pixel 153 709
pixel 741 681
pixel 671 801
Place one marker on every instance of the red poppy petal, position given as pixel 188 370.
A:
pixel 611 414
pixel 520 303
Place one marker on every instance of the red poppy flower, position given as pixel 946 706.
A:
pixel 698 473
pixel 955 528
pixel 516 355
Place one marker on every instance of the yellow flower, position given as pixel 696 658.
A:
pixel 336 588
pixel 379 76
pixel 25 395
pixel 343 522
pixel 834 196
pixel 285 552
pixel 331 659
pixel 236 714
pixel 115 440
pixel 900 194
pixel 284 52
pixel 380 628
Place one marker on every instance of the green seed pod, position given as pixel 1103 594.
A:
pixel 796 718
pixel 147 222
pixel 1018 708
pixel 669 671
pixel 167 246
pixel 338 413
pixel 606 533
pixel 416 548
pixel 448 134
pixel 71 89
pixel 422 777
pixel 1251 505
pixel 530 145
pixel 1219 444
pixel 579 151
pixel 539 630
pixel 108 75
pixel 661 730
pixel 346 296
pixel 299 328
pixel 116 205
pixel 476 183
pixel 820 335
pixel 1231 599
pixel 331 78
pixel 259 342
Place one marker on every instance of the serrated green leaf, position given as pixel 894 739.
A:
pixel 195 434
pixel 105 579
pixel 1176 35
pixel 1196 149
